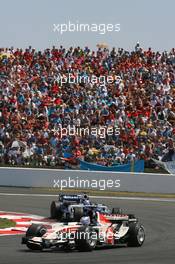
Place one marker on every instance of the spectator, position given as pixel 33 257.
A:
pixel 33 105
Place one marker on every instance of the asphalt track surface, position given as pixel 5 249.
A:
pixel 157 217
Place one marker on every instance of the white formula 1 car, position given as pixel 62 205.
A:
pixel 86 235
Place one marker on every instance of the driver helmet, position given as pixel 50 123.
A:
pixel 85 220
pixel 86 200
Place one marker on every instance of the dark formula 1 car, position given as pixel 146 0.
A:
pixel 73 207
pixel 87 234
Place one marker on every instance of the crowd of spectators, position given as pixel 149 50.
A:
pixel 33 105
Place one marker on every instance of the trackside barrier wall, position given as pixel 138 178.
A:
pixel 129 182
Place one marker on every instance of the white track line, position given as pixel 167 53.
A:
pixel 99 197
pixel 84 171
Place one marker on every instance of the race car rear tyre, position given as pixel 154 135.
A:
pixel 55 211
pixel 36 230
pixel 116 210
pixel 78 213
pixel 136 235
pixel 131 216
pixel 86 239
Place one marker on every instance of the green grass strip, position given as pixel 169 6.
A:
pixel 5 223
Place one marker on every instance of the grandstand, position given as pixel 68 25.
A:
pixel 36 108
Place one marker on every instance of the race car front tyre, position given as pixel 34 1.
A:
pixel 55 211
pixel 86 239
pixel 136 235
pixel 36 230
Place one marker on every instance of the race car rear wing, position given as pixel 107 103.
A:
pixel 120 217
pixel 70 198
pixel 117 217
